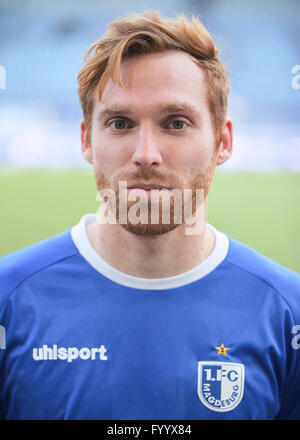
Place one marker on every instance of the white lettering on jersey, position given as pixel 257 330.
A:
pixel 46 353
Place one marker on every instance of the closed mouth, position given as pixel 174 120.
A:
pixel 147 187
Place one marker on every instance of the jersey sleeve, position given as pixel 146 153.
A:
pixel 6 284
pixel 290 403
pixel 15 269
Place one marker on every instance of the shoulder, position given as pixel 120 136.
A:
pixel 282 280
pixel 20 265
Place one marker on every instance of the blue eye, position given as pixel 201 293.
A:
pixel 119 124
pixel 178 125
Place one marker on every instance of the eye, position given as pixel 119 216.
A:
pixel 119 124
pixel 178 124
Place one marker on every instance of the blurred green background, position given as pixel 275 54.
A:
pixel 260 209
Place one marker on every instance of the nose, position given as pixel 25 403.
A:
pixel 146 152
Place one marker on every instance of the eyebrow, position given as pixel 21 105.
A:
pixel 115 109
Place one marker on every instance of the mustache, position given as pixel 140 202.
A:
pixel 149 175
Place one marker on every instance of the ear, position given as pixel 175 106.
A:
pixel 85 146
pixel 225 147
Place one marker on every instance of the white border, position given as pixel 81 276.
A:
pixel 81 241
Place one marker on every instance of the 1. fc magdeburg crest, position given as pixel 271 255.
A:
pixel 220 385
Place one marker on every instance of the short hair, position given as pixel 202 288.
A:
pixel 139 34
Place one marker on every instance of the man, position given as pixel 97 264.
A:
pixel 123 317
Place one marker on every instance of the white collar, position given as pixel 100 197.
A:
pixel 81 241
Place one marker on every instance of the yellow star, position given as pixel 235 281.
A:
pixel 222 349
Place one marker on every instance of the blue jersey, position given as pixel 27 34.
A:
pixel 82 340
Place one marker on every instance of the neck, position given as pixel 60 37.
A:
pixel 158 256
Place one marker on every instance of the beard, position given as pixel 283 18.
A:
pixel 151 217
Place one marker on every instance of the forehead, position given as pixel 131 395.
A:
pixel 155 80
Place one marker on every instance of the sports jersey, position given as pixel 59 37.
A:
pixel 81 340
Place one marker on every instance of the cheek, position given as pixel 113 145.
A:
pixel 192 160
pixel 108 158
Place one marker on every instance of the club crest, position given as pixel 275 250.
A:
pixel 220 385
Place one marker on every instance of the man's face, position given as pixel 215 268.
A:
pixel 157 130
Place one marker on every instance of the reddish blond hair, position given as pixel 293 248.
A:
pixel 139 34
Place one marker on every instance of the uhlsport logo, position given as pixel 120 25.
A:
pixel 220 385
pixel 69 354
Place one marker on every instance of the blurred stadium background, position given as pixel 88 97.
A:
pixel 45 185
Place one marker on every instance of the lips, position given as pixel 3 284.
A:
pixel 147 187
